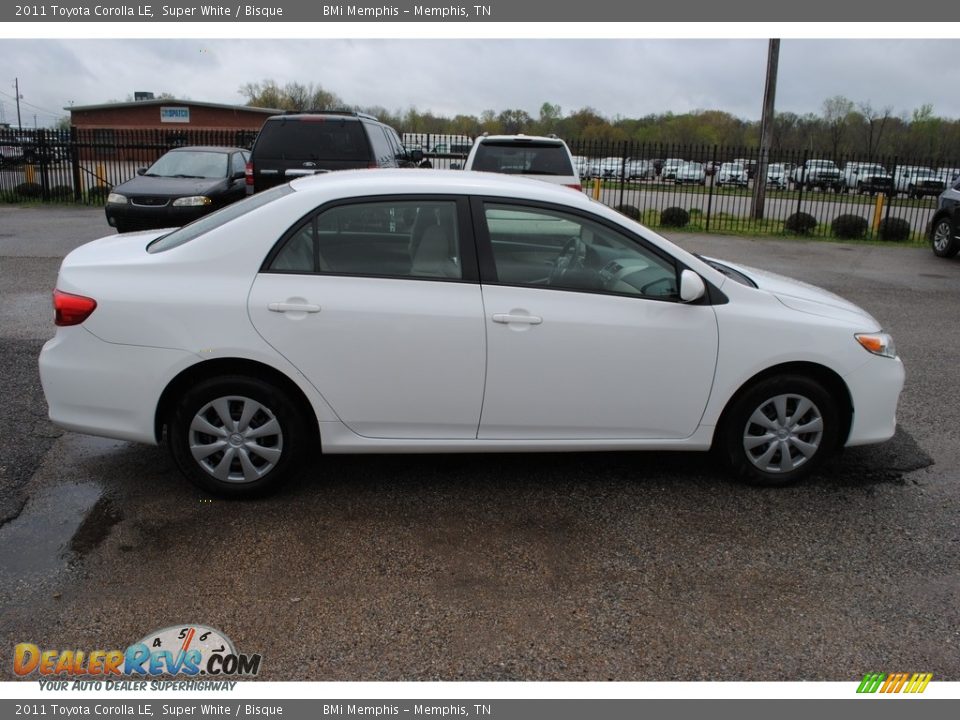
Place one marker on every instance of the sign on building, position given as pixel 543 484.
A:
pixel 175 114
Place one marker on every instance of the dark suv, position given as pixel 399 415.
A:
pixel 945 228
pixel 295 144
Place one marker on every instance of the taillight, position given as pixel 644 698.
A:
pixel 71 309
pixel 576 187
pixel 248 173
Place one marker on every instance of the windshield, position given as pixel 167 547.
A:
pixel 216 219
pixel 191 164
pixel 728 271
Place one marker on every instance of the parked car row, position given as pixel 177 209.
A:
pixel 192 181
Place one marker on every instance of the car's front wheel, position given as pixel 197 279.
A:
pixel 236 436
pixel 944 238
pixel 779 430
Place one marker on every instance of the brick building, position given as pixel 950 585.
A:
pixel 168 115
pixel 142 130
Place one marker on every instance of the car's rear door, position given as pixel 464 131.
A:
pixel 377 303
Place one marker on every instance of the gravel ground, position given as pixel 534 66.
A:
pixel 505 567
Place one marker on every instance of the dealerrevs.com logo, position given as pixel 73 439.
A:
pixel 906 683
pixel 191 650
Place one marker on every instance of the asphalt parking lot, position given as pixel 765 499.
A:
pixel 501 567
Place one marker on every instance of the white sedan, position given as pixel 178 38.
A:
pixel 443 311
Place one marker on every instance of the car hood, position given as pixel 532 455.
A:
pixel 804 297
pixel 168 186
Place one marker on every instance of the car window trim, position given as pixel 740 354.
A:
pixel 487 264
pixel 468 257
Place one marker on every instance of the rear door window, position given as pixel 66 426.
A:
pixel 382 152
pixel 409 238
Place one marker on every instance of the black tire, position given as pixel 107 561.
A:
pixel 821 420
pixel 271 457
pixel 943 238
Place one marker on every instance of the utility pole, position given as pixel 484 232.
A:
pixel 16 89
pixel 766 131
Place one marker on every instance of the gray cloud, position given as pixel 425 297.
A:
pixel 628 78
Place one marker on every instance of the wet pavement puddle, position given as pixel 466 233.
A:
pixel 57 526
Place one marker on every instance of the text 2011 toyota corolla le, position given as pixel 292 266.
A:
pixel 436 311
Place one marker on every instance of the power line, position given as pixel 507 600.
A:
pixel 54 113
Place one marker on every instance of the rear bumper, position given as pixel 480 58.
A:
pixel 101 388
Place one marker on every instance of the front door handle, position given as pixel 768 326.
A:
pixel 506 318
pixel 293 307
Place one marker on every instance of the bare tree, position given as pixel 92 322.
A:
pixel 836 115
pixel 876 121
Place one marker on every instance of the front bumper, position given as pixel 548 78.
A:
pixel 142 217
pixel 875 391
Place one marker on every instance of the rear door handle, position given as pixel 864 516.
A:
pixel 293 307
pixel 506 318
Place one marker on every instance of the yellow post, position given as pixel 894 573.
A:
pixel 878 212
pixel 30 173
pixel 101 174
pixel 597 184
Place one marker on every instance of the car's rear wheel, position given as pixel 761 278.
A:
pixel 779 430
pixel 237 436
pixel 944 238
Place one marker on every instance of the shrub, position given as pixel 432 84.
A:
pixel 849 227
pixel 61 192
pixel 674 217
pixel 695 212
pixel 894 229
pixel 28 190
pixel 630 211
pixel 801 223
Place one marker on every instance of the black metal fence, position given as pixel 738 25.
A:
pixel 708 188
pixel 82 165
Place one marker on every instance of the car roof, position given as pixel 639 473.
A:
pixel 209 148
pixel 394 181
pixel 337 114
pixel 520 138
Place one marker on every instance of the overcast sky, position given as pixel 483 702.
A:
pixel 628 78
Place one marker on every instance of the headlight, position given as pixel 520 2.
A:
pixel 877 343
pixel 117 199
pixel 192 201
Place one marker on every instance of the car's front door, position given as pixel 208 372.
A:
pixel 375 304
pixel 586 337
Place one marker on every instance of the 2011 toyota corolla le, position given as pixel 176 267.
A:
pixel 437 311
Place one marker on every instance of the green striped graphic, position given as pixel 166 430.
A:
pixel 871 682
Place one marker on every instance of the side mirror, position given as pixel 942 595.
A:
pixel 415 155
pixel 692 287
pixel 141 171
pixel 239 175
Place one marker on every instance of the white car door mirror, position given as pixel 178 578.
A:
pixel 692 287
